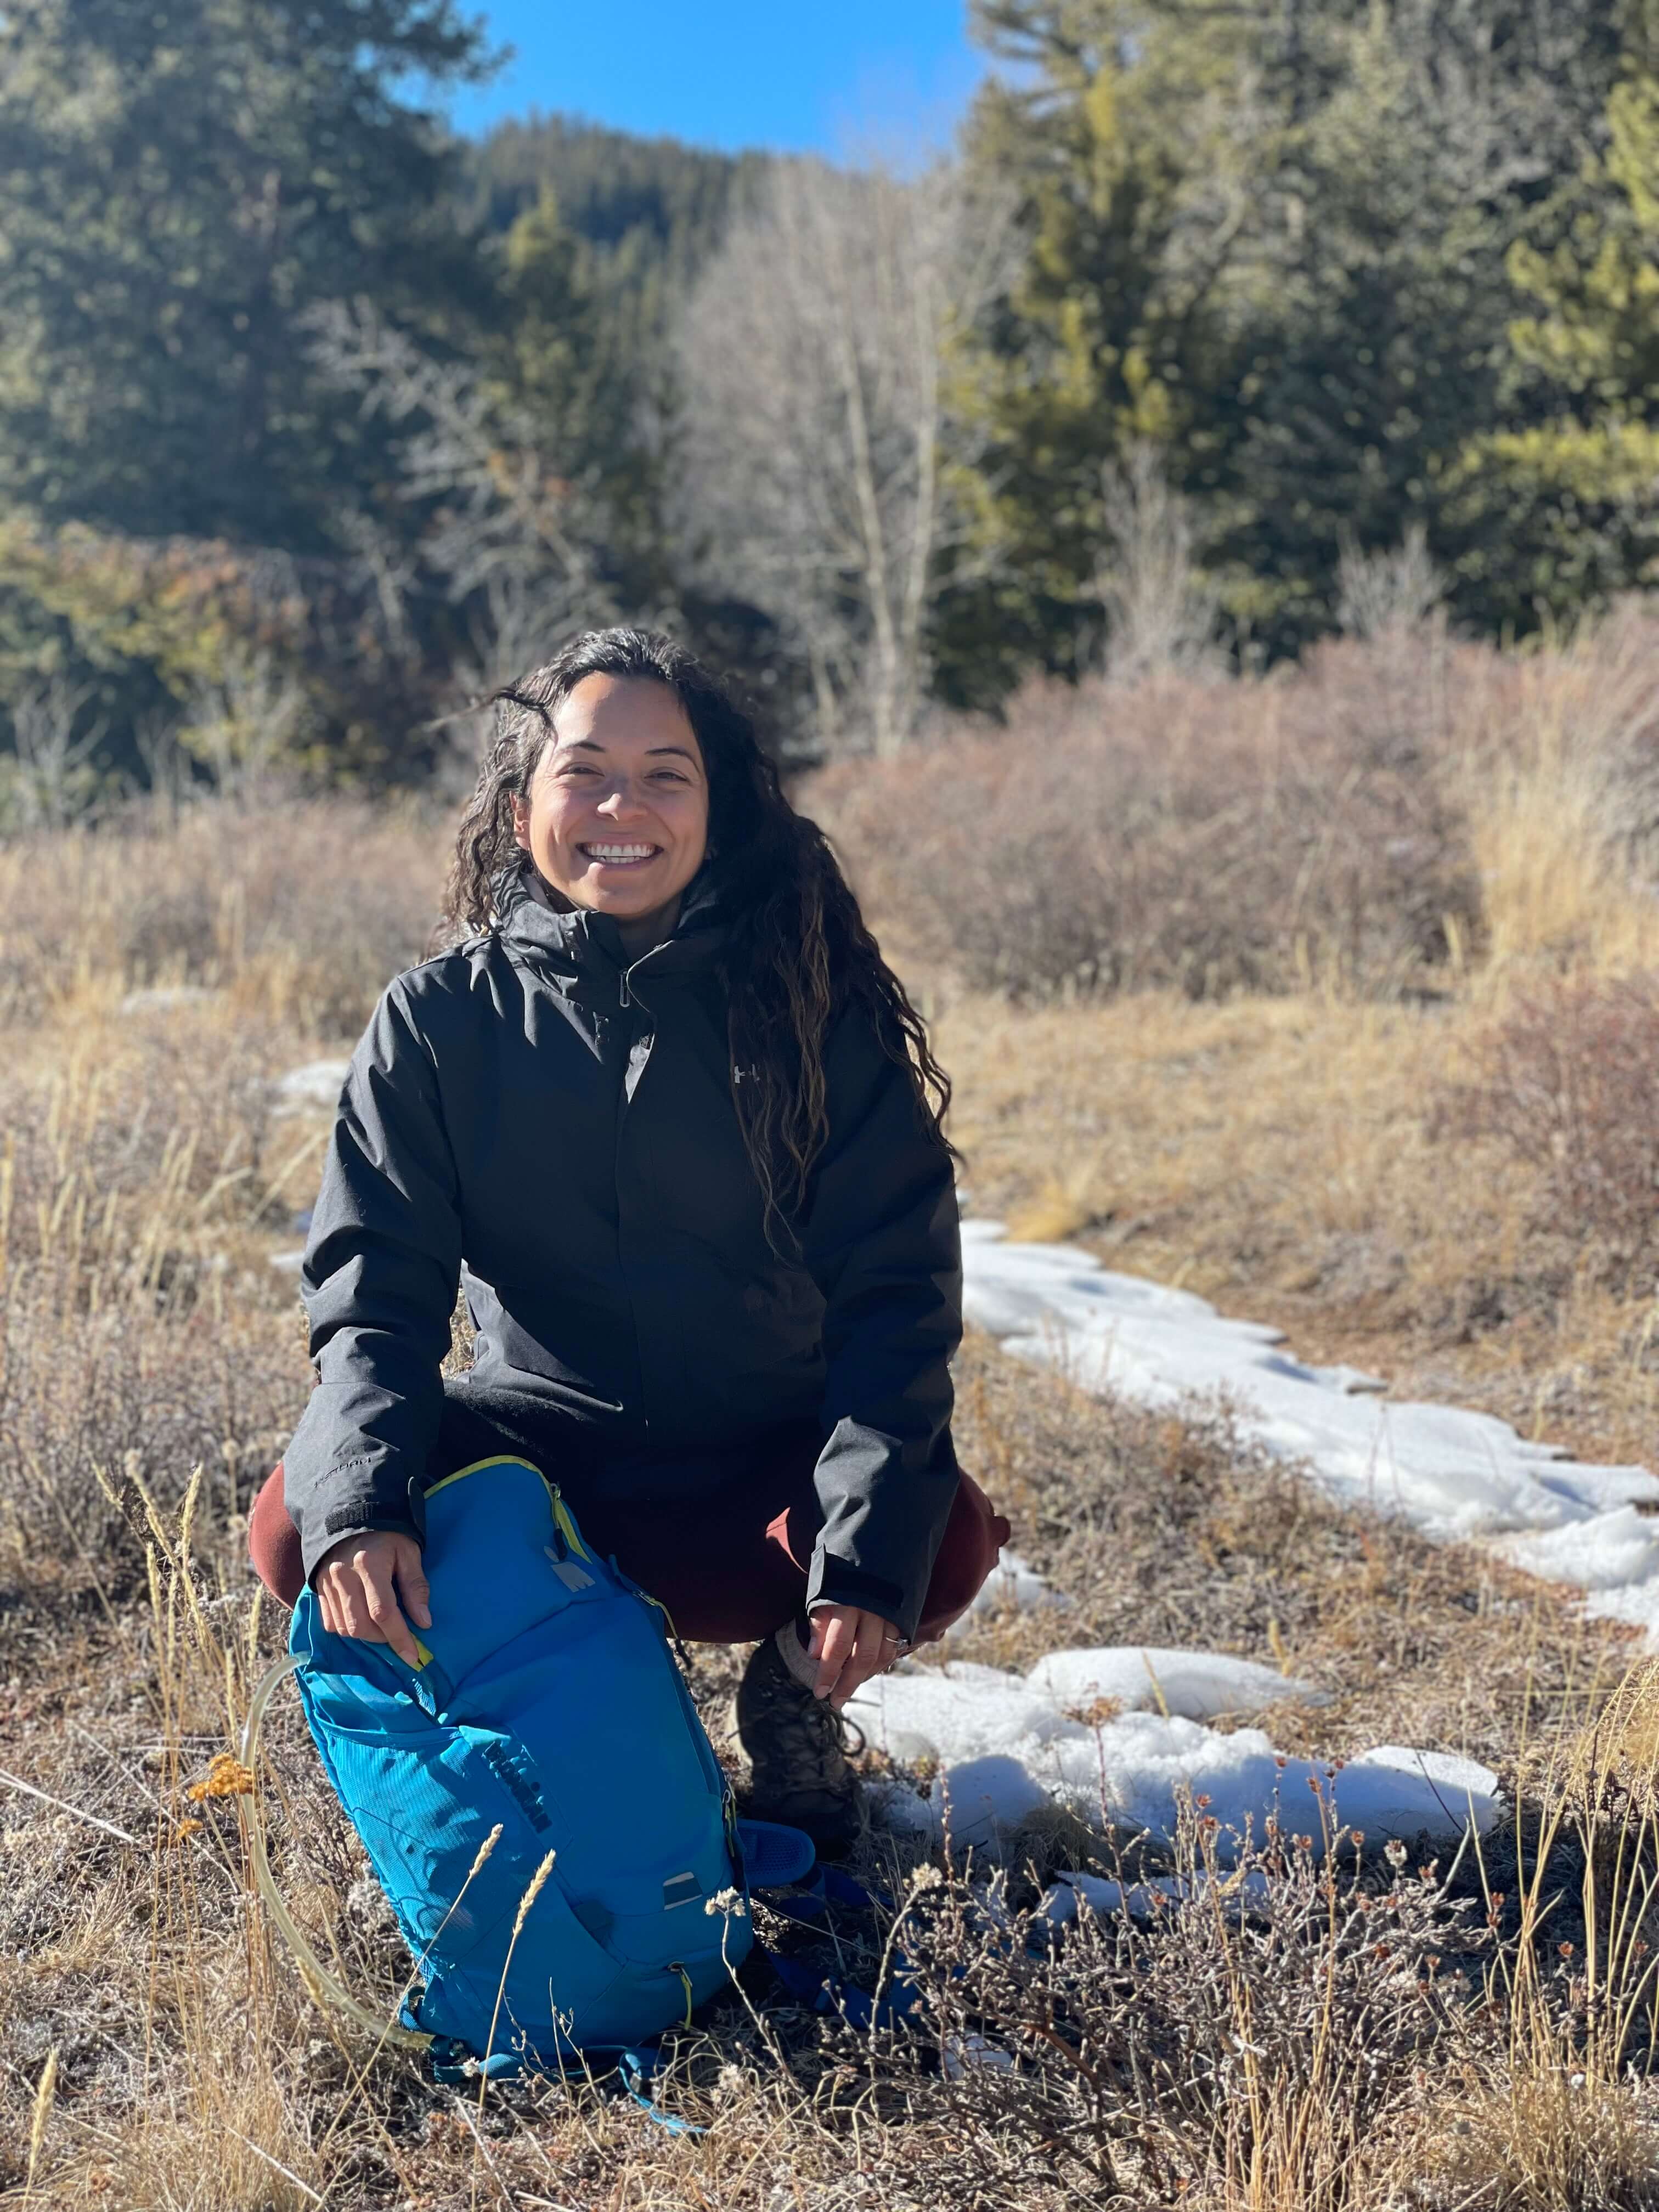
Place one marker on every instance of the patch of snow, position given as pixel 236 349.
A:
pixel 984 1801
pixel 1198 1685
pixel 963 2055
pixel 1610 1551
pixel 318 1082
pixel 164 998
pixel 1013 1585
pixel 1452 1472
pixel 1070 1893
pixel 1002 1746
pixel 1384 1789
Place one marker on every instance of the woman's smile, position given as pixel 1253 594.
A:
pixel 619 856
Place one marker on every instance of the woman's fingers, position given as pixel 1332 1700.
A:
pixel 412 1584
pixel 868 1657
pixel 834 1631
pixel 376 1576
pixel 850 1645
pixel 357 1585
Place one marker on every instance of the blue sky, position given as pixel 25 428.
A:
pixel 825 75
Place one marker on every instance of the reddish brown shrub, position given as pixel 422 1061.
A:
pixel 1217 837
pixel 1569 1081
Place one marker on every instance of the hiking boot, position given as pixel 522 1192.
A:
pixel 797 1751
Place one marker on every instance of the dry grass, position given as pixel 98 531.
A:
pixel 298 911
pixel 1291 1159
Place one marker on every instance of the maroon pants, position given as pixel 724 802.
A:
pixel 730 1567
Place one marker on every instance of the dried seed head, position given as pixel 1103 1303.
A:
pixel 537 1882
pixel 484 1850
pixel 226 1777
pixel 46 2091
pixel 1394 1851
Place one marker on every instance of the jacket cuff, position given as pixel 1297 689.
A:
pixel 885 1501
pixel 831 1581
pixel 364 1508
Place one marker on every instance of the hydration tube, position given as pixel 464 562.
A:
pixel 324 1986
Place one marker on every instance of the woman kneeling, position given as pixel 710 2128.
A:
pixel 669 1120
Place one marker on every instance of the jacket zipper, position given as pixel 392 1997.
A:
pixel 626 999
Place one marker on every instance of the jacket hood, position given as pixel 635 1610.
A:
pixel 575 938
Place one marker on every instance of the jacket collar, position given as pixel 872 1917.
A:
pixel 575 939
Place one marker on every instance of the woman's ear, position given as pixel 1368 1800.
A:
pixel 520 820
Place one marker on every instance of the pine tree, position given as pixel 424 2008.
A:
pixel 181 181
pixel 1569 499
pixel 1269 236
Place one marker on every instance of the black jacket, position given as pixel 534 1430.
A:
pixel 530 1115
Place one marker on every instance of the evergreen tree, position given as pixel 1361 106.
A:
pixel 1270 236
pixel 1109 339
pixel 181 181
pixel 1563 507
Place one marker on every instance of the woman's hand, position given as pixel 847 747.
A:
pixel 850 1645
pixel 358 1584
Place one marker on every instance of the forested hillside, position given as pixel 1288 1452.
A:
pixel 316 423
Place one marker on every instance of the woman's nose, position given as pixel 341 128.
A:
pixel 621 801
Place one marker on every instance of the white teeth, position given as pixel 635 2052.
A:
pixel 619 852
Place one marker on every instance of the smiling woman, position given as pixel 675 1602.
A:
pixel 615 818
pixel 670 1121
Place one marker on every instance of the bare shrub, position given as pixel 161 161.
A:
pixel 1254 836
pixel 1568 1081
pixel 1248 2023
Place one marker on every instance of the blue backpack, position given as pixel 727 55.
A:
pixel 547 1704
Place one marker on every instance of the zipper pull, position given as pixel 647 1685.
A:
pixel 624 998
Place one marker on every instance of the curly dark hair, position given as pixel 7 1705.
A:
pixel 796 951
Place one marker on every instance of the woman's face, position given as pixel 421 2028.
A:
pixel 617 814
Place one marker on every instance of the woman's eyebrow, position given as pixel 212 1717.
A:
pixel 592 746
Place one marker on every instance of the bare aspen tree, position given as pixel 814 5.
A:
pixel 814 352
pixel 504 510
pixel 1161 615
